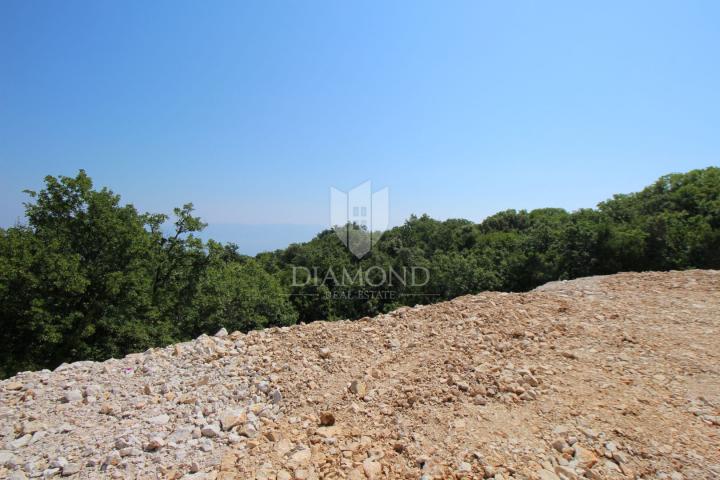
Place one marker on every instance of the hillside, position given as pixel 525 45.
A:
pixel 600 377
pixel 90 277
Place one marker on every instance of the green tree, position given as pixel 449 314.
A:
pixel 237 296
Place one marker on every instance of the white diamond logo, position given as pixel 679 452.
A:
pixel 359 217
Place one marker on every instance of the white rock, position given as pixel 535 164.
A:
pixel 72 396
pixel 59 462
pixel 6 457
pixel 372 468
pixel 70 469
pixel 130 452
pixel 19 442
pixel 181 434
pixel 231 417
pixel 162 419
pixel 212 430
pixel 50 472
pixel 155 443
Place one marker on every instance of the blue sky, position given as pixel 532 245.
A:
pixel 253 110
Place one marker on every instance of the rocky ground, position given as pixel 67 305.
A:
pixel 604 377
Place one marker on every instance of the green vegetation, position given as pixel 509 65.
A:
pixel 89 278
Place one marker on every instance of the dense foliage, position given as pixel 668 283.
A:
pixel 89 278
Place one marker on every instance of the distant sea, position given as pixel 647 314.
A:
pixel 253 239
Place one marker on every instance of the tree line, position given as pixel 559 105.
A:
pixel 90 278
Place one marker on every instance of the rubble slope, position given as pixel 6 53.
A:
pixel 602 377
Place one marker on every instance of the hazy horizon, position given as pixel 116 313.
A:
pixel 254 238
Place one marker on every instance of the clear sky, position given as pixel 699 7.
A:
pixel 254 109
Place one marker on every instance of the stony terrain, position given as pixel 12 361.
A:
pixel 604 377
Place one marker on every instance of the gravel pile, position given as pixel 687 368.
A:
pixel 598 378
